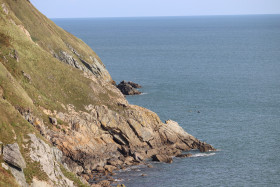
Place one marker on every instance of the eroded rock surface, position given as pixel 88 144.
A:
pixel 102 140
pixel 12 155
pixel 47 157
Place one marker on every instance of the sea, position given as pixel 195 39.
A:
pixel 217 76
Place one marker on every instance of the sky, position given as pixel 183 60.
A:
pixel 140 8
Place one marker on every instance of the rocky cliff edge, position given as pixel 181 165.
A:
pixel 62 119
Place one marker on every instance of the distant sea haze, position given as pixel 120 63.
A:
pixel 218 76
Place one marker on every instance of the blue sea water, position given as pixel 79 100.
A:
pixel 225 67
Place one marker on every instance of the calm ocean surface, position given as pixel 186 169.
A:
pixel 226 67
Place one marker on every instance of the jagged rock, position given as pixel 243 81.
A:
pixel 152 152
pixel 68 59
pixel 45 155
pixel 134 85
pixel 53 120
pixel 163 158
pixel 127 89
pixel 12 155
pixel 128 160
pixel 138 157
pixel 19 176
pixel 115 162
pixel 110 168
pixel 204 147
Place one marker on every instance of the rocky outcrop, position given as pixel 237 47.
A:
pixel 12 155
pixel 69 59
pixel 129 88
pixel 101 140
pixel 48 158
pixel 134 85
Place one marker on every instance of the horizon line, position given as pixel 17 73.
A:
pixel 205 15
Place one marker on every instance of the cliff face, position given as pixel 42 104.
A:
pixel 58 100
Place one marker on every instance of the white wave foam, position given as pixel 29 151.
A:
pixel 203 154
pixel 119 180
pixel 143 93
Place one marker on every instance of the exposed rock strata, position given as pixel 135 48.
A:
pixel 102 140
pixel 12 155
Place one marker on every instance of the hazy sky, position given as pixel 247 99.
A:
pixel 135 8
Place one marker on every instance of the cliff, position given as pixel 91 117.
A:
pixel 62 119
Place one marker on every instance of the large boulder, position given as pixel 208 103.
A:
pixel 163 158
pixel 12 155
pixel 128 88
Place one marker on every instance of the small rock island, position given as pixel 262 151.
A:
pixel 129 88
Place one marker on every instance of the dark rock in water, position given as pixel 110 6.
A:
pixel 134 85
pixel 127 89
pixel 204 147
pixel 163 158
pixel 184 155
pixel 150 166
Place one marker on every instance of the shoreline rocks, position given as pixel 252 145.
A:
pixel 129 88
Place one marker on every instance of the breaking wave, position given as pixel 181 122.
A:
pixel 203 154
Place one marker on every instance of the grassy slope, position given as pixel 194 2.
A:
pixel 52 82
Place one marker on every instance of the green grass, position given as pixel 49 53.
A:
pixel 72 177
pixel 52 82
pixel 34 169
pixel 6 178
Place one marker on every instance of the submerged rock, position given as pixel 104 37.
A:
pixel 129 88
